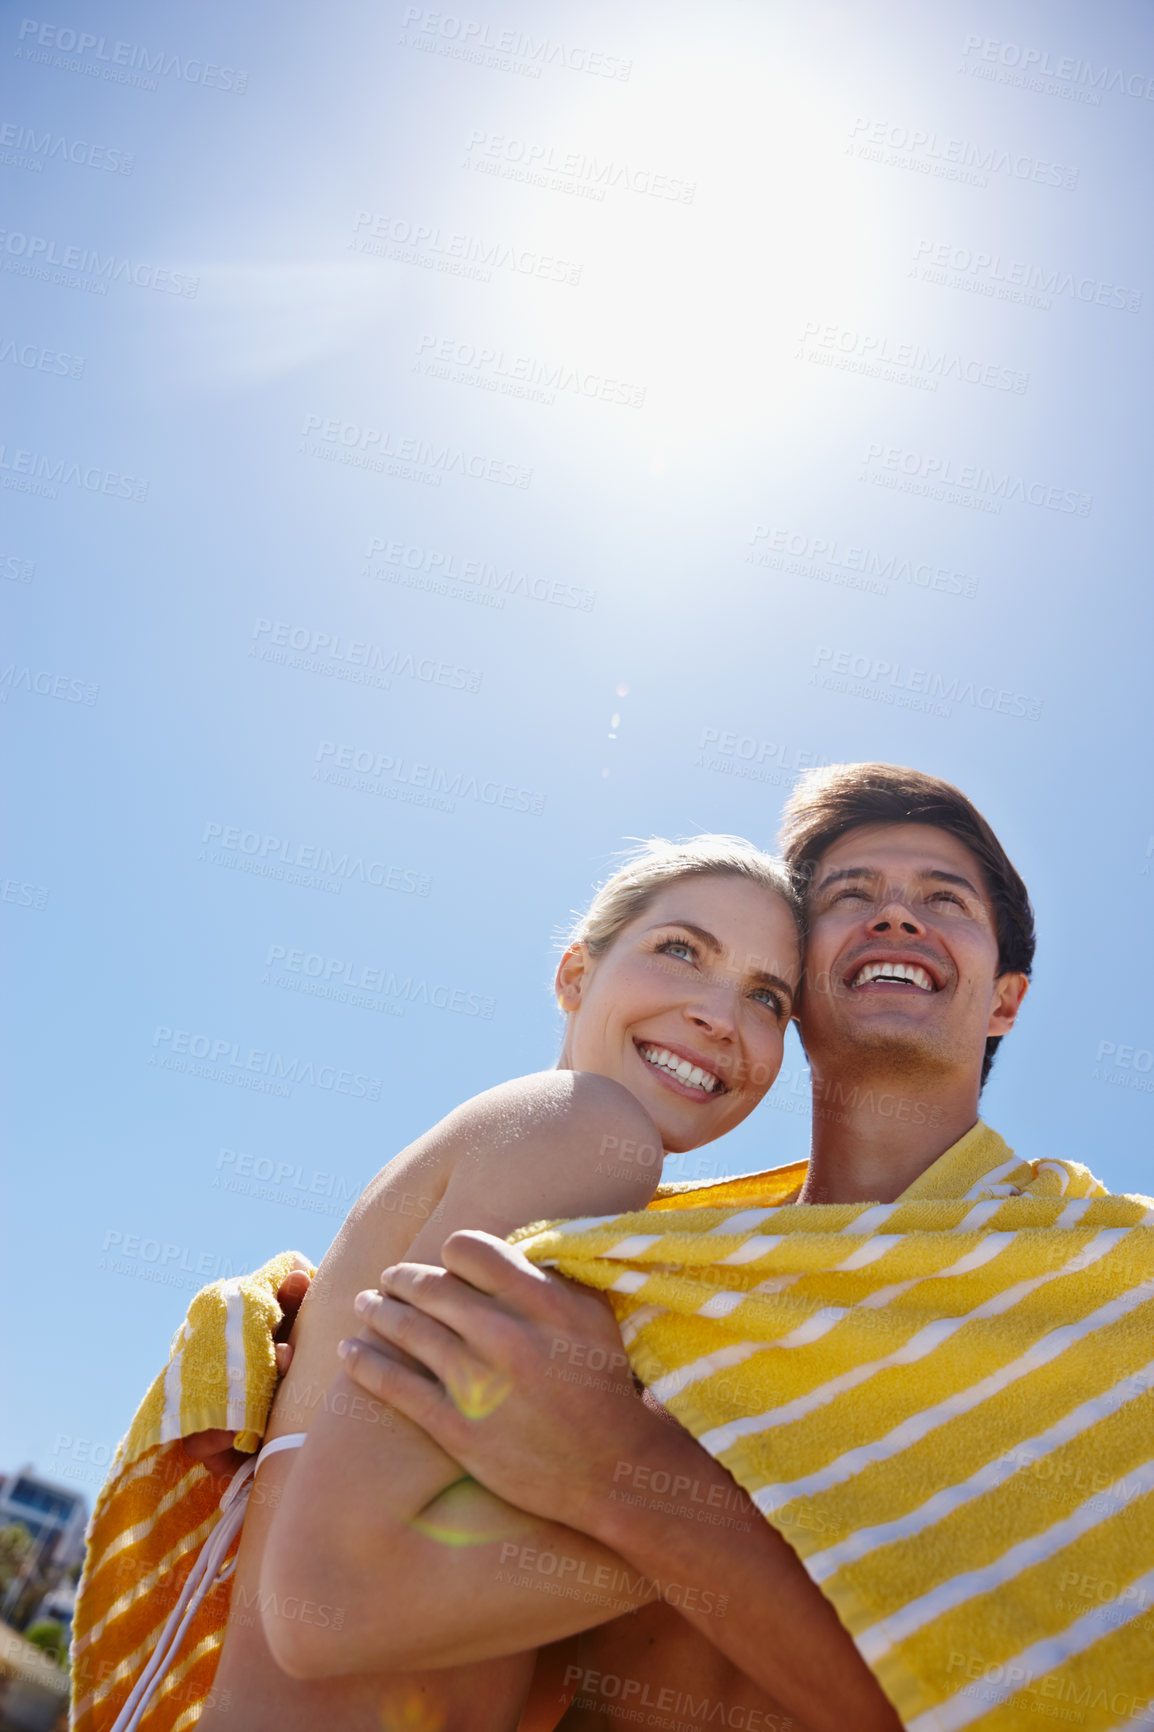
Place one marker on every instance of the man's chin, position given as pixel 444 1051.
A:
pixel 889 1046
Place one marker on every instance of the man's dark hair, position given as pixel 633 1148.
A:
pixel 829 802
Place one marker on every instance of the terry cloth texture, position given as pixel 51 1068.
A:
pixel 943 1403
pixel 158 1506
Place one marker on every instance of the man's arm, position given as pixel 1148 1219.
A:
pixel 565 1451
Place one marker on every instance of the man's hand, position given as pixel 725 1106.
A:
pixel 526 1382
pixel 214 1449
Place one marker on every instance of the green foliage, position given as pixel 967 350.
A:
pixel 15 1544
pixel 50 1637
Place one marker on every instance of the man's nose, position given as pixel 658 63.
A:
pixel 896 915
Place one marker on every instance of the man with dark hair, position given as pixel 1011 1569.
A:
pixel 828 803
pixel 920 944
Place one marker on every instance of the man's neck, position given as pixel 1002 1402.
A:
pixel 873 1137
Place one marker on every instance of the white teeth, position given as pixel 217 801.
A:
pixel 681 1068
pixel 894 971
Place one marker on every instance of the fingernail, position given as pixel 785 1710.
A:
pixel 361 1303
pixel 346 1349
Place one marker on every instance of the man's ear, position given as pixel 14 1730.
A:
pixel 1009 991
pixel 572 971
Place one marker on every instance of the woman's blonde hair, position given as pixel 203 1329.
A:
pixel 656 863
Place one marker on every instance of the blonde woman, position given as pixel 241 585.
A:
pixel 364 1543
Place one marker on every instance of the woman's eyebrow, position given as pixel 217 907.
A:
pixel 765 979
pixel 706 938
pixel 761 975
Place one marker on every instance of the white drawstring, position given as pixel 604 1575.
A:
pixel 206 1573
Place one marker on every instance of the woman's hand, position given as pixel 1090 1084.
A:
pixel 214 1449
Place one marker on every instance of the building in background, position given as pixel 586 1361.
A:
pixel 56 1519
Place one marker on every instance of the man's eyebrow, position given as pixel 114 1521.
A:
pixel 717 947
pixel 938 876
pixel 954 878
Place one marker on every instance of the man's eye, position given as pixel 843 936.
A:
pixel 841 895
pixel 947 896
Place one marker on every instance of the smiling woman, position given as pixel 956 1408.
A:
pixel 677 988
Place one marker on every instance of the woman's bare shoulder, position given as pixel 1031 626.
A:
pixel 553 1142
pixel 543 1098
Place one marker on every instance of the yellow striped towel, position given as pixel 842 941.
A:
pixel 944 1403
pixel 157 1506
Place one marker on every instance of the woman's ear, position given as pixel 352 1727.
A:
pixel 570 980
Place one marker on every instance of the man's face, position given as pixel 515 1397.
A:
pixel 902 965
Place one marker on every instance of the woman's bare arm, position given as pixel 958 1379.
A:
pixel 370 1515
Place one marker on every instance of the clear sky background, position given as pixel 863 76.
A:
pixel 584 418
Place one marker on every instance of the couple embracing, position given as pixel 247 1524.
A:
pixel 461 1514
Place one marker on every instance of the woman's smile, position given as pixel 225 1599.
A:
pixel 687 1074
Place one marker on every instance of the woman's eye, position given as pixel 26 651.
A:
pixel 677 946
pixel 772 1001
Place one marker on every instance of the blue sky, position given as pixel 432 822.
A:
pixel 438 449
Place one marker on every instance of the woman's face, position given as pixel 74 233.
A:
pixel 689 1006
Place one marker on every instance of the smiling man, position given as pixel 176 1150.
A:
pixel 921 940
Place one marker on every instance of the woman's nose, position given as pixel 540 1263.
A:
pixel 715 1011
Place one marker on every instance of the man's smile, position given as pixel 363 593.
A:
pixel 892 974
